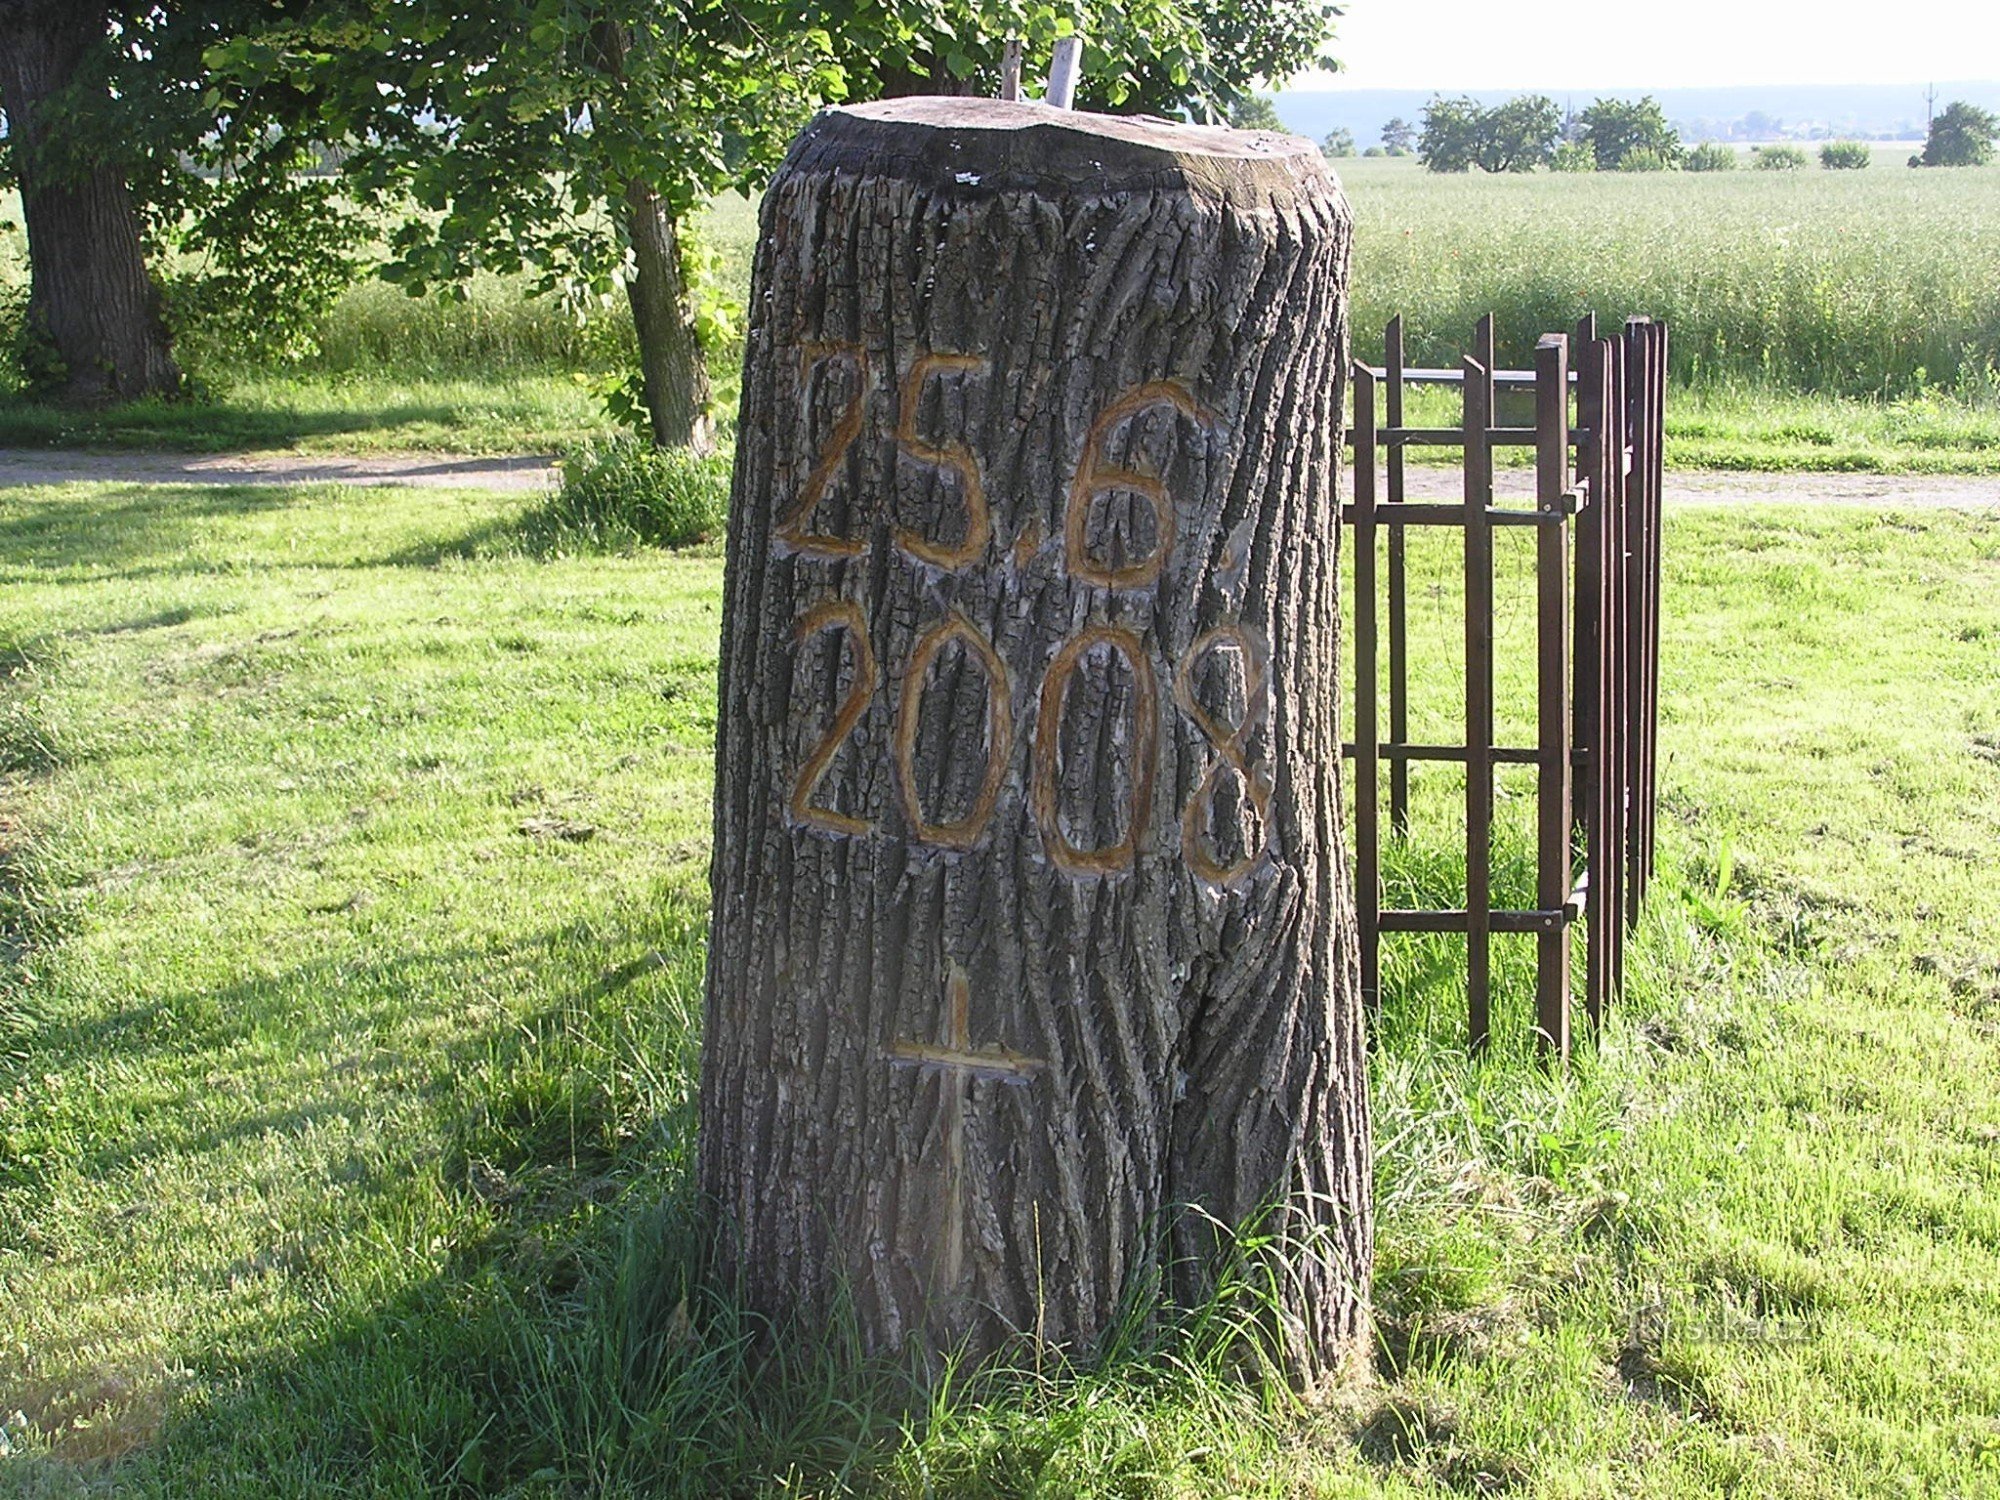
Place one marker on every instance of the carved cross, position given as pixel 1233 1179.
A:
pixel 958 1062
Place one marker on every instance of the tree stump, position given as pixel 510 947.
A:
pixel 1033 963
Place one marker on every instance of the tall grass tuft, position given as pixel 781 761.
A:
pixel 650 1378
pixel 1711 156
pixel 622 492
pixel 1780 158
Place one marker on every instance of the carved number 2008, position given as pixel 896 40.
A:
pixel 1229 741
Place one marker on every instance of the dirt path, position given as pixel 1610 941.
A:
pixel 524 473
pixel 1713 487
pixel 509 472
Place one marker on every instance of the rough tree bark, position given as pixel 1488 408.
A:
pixel 1032 968
pixel 90 295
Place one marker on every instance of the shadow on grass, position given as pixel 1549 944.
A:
pixel 132 531
pixel 206 426
pixel 551 1141
pixel 561 1334
pixel 524 1302
pixel 112 525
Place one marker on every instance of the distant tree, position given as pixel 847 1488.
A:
pixel 1399 137
pixel 1338 142
pixel 1961 136
pixel 1451 134
pixel 1845 156
pixel 1520 135
pixel 1616 127
pixel 1711 156
pixel 1573 156
pixel 1256 112
pixel 1780 158
pixel 1517 136
pixel 1758 126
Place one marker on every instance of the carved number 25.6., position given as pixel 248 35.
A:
pixel 794 527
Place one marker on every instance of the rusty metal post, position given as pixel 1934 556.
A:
pixel 1367 734
pixel 1478 418
pixel 1595 571
pixel 1399 633
pixel 1654 336
pixel 1552 739
pixel 1587 621
pixel 1638 594
pixel 1618 661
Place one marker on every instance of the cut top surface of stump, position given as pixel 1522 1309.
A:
pixel 996 145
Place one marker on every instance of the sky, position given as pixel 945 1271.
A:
pixel 1470 44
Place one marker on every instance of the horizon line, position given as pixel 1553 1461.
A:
pixel 1311 85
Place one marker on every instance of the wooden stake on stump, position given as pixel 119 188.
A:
pixel 1065 65
pixel 1033 960
pixel 1010 70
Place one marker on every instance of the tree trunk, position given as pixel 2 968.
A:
pixel 670 357
pixel 90 296
pixel 1033 963
pixel 913 78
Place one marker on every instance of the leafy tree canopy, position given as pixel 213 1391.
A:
pixel 264 246
pixel 1961 135
pixel 1520 135
pixel 1451 134
pixel 559 137
pixel 1256 112
pixel 1617 127
pixel 475 106
pixel 1516 136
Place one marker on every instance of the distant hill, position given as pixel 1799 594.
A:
pixel 1804 111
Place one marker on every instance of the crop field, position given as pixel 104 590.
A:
pixel 352 858
pixel 1877 283
pixel 1820 320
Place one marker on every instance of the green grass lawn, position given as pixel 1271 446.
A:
pixel 352 878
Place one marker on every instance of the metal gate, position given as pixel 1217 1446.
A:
pixel 1596 516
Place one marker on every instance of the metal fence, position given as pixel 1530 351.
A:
pixel 1597 440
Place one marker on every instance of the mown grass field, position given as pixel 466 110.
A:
pixel 352 877
pixel 1821 320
